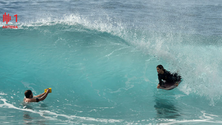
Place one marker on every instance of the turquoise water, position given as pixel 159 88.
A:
pixel 100 58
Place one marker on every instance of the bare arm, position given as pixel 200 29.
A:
pixel 39 95
pixel 44 95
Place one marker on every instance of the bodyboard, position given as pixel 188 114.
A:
pixel 171 85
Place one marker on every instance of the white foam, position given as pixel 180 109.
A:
pixel 54 115
pixel 199 65
pixel 3 94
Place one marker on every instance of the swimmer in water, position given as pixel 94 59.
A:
pixel 29 96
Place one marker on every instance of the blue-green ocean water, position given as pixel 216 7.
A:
pixel 100 58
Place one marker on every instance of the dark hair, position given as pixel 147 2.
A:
pixel 161 67
pixel 28 93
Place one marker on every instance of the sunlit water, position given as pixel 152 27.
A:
pixel 100 58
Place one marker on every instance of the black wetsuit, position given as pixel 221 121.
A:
pixel 168 77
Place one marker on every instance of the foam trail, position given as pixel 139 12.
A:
pixel 54 115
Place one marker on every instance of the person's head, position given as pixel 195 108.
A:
pixel 160 69
pixel 28 94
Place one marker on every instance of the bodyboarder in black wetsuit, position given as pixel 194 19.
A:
pixel 165 76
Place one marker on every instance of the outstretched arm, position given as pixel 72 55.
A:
pixel 39 95
pixel 44 95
